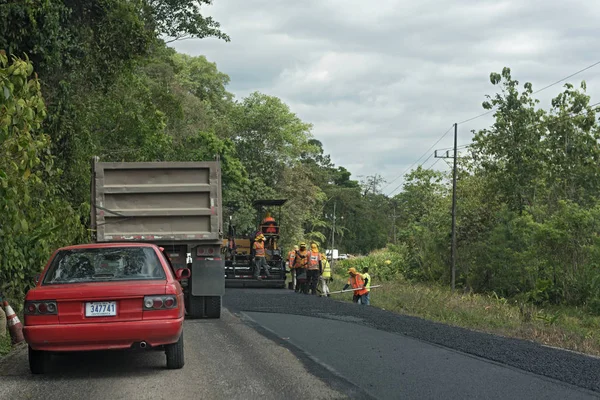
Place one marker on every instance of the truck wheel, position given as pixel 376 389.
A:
pixel 174 352
pixel 38 361
pixel 213 306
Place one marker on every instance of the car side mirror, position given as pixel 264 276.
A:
pixel 37 279
pixel 182 273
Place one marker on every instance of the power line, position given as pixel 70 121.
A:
pixel 479 116
pixel 452 148
pixel 529 126
pixel 420 165
pixel 567 77
pixel 537 91
pixel 436 161
pixel 561 119
pixel 425 153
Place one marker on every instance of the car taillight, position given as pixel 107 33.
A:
pixel 170 302
pixel 45 307
pixel 159 302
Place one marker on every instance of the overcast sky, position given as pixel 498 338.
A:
pixel 382 80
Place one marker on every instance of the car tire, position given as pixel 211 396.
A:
pixel 213 306
pixel 38 361
pixel 174 352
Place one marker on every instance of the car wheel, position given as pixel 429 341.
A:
pixel 38 361
pixel 174 352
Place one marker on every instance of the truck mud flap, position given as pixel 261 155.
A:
pixel 208 278
pixel 206 286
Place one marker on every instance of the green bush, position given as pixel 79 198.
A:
pixel 385 264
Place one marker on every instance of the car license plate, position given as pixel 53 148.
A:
pixel 101 309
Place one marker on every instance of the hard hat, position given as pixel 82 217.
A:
pixel 314 247
pixel 302 244
pixel 296 247
pixel 352 271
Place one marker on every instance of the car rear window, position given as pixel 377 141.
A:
pixel 104 265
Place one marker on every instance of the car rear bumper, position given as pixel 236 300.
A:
pixel 102 336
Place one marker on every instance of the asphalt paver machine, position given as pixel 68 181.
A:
pixel 239 263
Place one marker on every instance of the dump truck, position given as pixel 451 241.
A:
pixel 237 250
pixel 175 205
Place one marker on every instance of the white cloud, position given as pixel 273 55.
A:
pixel 381 81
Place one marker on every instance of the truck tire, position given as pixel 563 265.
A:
pixel 204 307
pixel 175 356
pixel 38 361
pixel 213 306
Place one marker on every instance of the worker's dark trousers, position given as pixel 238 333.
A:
pixel 301 280
pixel 258 263
pixel 313 280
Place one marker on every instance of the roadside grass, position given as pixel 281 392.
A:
pixel 564 327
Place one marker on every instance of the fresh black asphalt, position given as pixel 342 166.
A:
pixel 519 369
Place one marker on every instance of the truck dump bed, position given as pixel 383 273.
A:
pixel 158 202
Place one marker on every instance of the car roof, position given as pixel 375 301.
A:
pixel 106 245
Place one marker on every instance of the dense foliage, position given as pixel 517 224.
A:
pixel 72 88
pixel 528 205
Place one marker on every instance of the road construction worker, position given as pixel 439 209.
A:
pixel 291 258
pixel 314 269
pixel 300 264
pixel 260 260
pixel 365 299
pixel 268 224
pixel 325 276
pixel 357 283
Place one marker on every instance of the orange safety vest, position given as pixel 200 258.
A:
pixel 357 282
pixel 301 259
pixel 259 249
pixel 291 258
pixel 313 260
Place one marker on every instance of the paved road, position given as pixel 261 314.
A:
pixel 275 344
pixel 225 359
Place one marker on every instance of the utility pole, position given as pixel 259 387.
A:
pixel 454 157
pixel 333 235
pixel 395 224
pixel 454 207
pixel 394 217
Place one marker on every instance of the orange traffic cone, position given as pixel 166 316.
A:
pixel 15 327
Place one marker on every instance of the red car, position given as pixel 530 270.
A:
pixel 104 297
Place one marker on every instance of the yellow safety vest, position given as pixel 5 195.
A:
pixel 367 276
pixel 326 269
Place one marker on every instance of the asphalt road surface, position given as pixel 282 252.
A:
pixel 275 344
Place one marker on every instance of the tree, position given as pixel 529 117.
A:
pixel 509 151
pixel 268 136
pixel 570 144
pixel 181 19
